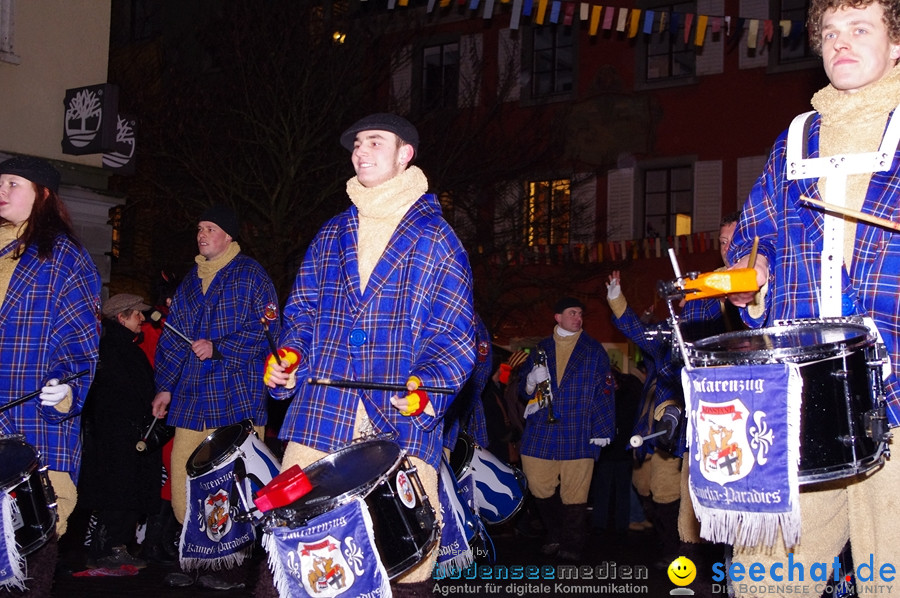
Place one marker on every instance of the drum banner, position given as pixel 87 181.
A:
pixel 332 555
pixel 744 437
pixel 12 564
pixel 455 553
pixel 211 537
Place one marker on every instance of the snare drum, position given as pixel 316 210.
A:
pixel 254 463
pixel 499 488
pixel 378 471
pixel 32 498
pixel 842 429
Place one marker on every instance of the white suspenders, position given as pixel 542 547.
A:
pixel 835 169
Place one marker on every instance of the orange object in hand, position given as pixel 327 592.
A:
pixel 288 357
pixel 418 400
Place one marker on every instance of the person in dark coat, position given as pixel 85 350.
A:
pixel 119 482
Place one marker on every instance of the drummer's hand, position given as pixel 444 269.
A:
pixel 414 403
pixel 282 371
pixel 762 277
pixel 202 348
pixel 160 404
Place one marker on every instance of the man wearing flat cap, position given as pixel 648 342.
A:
pixel 215 379
pixel 569 417
pixel 383 295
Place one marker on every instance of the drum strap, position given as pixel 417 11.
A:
pixel 12 564
pixel 835 169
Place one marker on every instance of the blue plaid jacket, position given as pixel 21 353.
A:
pixel 583 401
pixel 414 318
pixel 218 392
pixel 790 236
pixel 49 328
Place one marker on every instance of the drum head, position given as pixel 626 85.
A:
pixel 793 343
pixel 352 471
pixel 17 460
pixel 217 447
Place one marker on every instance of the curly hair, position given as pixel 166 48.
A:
pixel 818 8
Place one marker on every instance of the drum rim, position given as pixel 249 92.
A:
pixel 314 509
pixel 700 355
pixel 34 463
pixel 194 471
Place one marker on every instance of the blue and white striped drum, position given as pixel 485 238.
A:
pixel 499 488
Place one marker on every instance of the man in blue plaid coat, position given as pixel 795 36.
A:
pixel 209 373
pixel 558 456
pixel 384 295
pixel 815 263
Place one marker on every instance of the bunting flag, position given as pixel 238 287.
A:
pixel 629 22
pixel 595 20
pixel 634 22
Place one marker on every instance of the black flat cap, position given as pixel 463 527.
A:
pixel 382 121
pixel 34 169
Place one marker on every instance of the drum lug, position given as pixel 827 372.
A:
pixel 875 422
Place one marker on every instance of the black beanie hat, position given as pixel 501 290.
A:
pixel 224 217
pixel 34 169
pixel 383 121
pixel 567 302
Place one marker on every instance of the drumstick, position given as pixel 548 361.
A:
pixel 376 385
pixel 156 316
pixel 141 446
pixel 269 337
pixel 883 222
pixel 751 263
pixel 35 393
pixel 637 440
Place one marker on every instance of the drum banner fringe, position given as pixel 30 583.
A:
pixel 744 437
pixel 333 554
pixel 455 553
pixel 12 564
pixel 211 537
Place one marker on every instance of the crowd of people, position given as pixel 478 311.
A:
pixel 379 338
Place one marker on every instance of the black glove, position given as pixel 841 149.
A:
pixel 670 421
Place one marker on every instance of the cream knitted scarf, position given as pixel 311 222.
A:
pixel 207 269
pixel 380 210
pixel 854 123
pixel 565 344
pixel 8 263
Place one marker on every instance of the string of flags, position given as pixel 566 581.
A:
pixel 610 251
pixel 628 21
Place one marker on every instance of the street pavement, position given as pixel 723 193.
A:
pixel 510 564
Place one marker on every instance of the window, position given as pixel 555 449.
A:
pixel 552 61
pixel 547 212
pixel 668 58
pixel 792 49
pixel 7 31
pixel 668 201
pixel 440 76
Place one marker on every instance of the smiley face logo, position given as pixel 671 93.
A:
pixel 682 571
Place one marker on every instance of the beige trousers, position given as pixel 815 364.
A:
pixel 573 476
pixel 66 497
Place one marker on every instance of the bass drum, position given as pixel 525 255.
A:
pixel 405 528
pixel 842 421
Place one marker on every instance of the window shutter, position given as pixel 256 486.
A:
pixel 471 61
pixel 401 80
pixel 584 208
pixel 620 204
pixel 707 196
pixel 509 57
